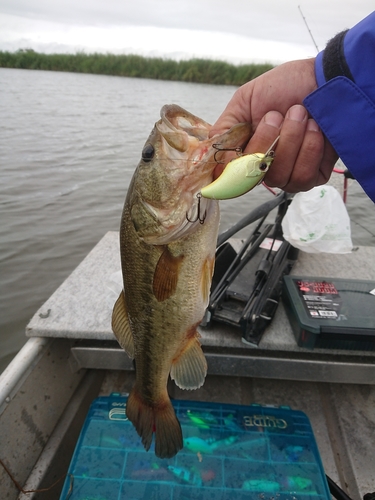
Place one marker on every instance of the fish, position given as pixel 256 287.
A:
pixel 167 245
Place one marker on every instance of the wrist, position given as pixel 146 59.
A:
pixel 310 76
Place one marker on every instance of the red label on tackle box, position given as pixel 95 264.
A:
pixel 321 298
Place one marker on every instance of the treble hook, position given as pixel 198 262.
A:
pixel 198 217
pixel 219 150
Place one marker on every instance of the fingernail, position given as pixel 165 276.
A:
pixel 274 118
pixel 312 125
pixel 297 113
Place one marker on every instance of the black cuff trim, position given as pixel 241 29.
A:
pixel 334 62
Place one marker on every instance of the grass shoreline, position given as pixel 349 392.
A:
pixel 192 70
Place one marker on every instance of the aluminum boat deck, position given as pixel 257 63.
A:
pixel 72 357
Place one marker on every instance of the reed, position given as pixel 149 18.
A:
pixel 193 70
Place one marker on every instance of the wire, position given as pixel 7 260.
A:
pixel 336 491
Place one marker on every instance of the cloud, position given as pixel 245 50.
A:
pixel 269 19
pixel 146 40
pixel 239 30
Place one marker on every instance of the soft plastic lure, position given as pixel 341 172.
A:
pixel 240 175
pixel 202 420
pixel 262 485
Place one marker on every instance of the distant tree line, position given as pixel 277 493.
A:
pixel 193 70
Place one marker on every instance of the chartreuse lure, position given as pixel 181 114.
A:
pixel 240 175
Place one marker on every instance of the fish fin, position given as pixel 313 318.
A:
pixel 166 275
pixel 190 368
pixel 206 279
pixel 121 326
pixel 160 419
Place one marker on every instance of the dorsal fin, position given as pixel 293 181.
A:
pixel 121 327
pixel 166 275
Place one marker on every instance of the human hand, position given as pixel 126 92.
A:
pixel 273 104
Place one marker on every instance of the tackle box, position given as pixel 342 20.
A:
pixel 331 313
pixel 230 451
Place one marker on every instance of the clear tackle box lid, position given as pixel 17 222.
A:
pixel 230 451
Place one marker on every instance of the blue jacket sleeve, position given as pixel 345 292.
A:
pixel 344 103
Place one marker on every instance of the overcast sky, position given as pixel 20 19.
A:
pixel 238 31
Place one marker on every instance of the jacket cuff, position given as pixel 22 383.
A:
pixel 347 118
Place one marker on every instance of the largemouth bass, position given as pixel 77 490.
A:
pixel 167 242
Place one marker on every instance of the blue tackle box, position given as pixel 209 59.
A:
pixel 230 451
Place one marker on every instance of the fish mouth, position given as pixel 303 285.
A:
pixel 188 135
pixel 178 119
pixel 185 142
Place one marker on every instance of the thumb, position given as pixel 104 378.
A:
pixel 237 111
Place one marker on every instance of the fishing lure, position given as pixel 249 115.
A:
pixel 298 483
pixel 262 485
pixel 190 476
pixel 198 445
pixel 202 420
pixel 224 443
pixel 240 175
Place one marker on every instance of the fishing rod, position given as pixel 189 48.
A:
pixel 308 29
pixel 346 172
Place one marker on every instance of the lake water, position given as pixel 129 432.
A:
pixel 69 144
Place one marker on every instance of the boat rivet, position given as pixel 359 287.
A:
pixel 7 399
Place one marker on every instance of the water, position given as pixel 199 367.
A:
pixel 69 145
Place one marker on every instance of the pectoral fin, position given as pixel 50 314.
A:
pixel 206 279
pixel 166 275
pixel 189 369
pixel 121 327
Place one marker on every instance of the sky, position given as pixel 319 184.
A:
pixel 236 31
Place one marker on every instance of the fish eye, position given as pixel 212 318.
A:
pixel 148 152
pixel 263 166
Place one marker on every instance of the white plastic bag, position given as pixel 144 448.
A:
pixel 317 221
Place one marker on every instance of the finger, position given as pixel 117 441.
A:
pixel 330 157
pixel 306 172
pixel 292 135
pixel 265 134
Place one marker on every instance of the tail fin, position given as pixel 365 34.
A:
pixel 160 419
